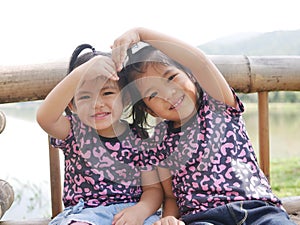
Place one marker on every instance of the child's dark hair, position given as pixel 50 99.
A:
pixel 77 60
pixel 135 66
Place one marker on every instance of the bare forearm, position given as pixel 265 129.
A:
pixel 170 208
pixel 49 114
pixel 151 201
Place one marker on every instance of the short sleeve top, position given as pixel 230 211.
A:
pixel 211 158
pixel 101 171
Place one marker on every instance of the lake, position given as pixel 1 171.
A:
pixel 24 161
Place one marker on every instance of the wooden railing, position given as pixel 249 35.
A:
pixel 245 74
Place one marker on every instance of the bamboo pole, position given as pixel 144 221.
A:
pixel 29 82
pixel 263 132
pixel 244 74
pixel 249 74
pixel 55 181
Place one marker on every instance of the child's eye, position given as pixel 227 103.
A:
pixel 152 95
pixel 108 93
pixel 83 97
pixel 172 77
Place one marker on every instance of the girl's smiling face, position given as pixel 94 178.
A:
pixel 99 105
pixel 168 93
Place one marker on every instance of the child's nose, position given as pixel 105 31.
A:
pixel 99 102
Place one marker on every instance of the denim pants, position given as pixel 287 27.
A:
pixel 252 212
pixel 99 215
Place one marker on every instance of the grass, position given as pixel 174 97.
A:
pixel 285 154
pixel 285 177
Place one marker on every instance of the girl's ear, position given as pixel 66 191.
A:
pixel 71 107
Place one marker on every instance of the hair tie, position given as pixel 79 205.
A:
pixel 77 52
pixel 94 51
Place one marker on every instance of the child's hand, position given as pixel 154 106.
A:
pixel 169 220
pixel 121 44
pixel 100 66
pixel 128 216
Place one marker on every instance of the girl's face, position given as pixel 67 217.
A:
pixel 99 105
pixel 168 93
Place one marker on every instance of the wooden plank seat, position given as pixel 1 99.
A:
pixel 292 206
pixel 26 222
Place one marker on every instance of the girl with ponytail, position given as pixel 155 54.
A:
pixel 104 182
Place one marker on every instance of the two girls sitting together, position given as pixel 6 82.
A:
pixel 198 163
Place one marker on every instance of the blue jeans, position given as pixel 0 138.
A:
pixel 99 215
pixel 241 213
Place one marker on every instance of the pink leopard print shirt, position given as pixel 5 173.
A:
pixel 211 159
pixel 101 171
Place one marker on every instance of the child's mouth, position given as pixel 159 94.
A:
pixel 177 103
pixel 101 115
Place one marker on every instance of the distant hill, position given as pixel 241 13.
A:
pixel 256 44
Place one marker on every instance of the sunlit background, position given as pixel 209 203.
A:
pixel 42 30
pixel 38 31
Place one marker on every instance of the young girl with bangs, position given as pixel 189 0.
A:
pixel 104 180
pixel 206 161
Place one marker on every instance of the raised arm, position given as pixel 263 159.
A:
pixel 205 72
